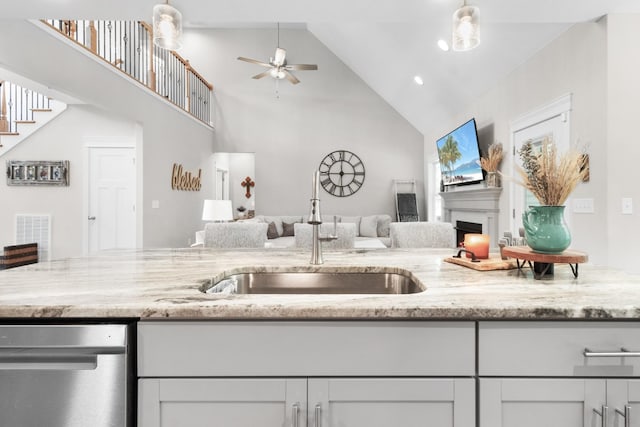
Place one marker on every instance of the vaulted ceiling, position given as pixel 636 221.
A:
pixel 386 42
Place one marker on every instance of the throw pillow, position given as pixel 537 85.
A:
pixel 272 231
pixel 287 229
pixel 384 222
pixel 369 226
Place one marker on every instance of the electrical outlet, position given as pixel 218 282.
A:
pixel 583 205
pixel 627 206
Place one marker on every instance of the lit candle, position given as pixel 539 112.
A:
pixel 478 244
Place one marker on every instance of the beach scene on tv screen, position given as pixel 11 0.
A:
pixel 459 156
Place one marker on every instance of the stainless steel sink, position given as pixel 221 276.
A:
pixel 314 283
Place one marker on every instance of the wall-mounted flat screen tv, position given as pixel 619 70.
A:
pixel 459 154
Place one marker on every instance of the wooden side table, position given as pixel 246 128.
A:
pixel 543 263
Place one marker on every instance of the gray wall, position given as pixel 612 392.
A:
pixel 623 88
pixel 64 138
pixel 574 63
pixel 291 130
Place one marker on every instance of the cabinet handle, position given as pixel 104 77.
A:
pixel 318 415
pixel 626 415
pixel 622 353
pixel 603 414
pixel 295 414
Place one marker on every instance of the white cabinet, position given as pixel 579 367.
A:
pixel 526 402
pixel 331 402
pixel 382 402
pixel 240 402
pixel 559 374
pixel 306 374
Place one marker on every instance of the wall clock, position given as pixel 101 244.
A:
pixel 341 173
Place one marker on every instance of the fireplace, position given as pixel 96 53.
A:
pixel 464 227
pixel 476 206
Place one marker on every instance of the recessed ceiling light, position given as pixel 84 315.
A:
pixel 418 80
pixel 442 44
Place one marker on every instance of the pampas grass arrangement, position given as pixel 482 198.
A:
pixel 549 176
pixel 492 161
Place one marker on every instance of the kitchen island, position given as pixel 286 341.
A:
pixel 476 348
pixel 165 283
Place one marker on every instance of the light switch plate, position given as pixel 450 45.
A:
pixel 583 205
pixel 627 206
pixel 155 204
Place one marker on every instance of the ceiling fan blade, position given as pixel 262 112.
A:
pixel 254 61
pixel 291 77
pixel 301 67
pixel 261 75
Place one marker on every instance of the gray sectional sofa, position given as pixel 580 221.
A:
pixel 288 231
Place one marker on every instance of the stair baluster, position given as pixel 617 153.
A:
pixel 4 123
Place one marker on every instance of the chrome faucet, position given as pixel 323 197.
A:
pixel 315 219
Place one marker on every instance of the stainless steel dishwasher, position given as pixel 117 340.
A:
pixel 65 376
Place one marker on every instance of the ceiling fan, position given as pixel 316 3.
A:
pixel 278 67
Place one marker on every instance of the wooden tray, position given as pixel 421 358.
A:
pixel 494 262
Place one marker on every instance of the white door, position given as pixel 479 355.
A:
pixel 556 127
pixel 532 402
pixel 385 402
pixel 112 195
pixel 222 184
pixel 222 402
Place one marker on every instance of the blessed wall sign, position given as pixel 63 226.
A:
pixel 185 181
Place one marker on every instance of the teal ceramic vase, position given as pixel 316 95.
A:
pixel 545 229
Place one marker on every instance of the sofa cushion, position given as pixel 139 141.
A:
pixel 384 222
pixel 353 220
pixel 279 219
pixel 369 226
pixel 272 231
pixel 287 229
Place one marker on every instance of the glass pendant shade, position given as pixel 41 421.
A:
pixel 167 27
pixel 466 28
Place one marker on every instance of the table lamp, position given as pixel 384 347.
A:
pixel 217 211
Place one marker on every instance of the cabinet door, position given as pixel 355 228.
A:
pixel 520 402
pixel 621 394
pixel 221 402
pixel 384 402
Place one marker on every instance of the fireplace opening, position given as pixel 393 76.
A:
pixel 464 227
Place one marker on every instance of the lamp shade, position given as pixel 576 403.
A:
pixel 167 27
pixel 217 210
pixel 466 28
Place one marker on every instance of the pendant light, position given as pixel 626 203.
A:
pixel 466 28
pixel 167 26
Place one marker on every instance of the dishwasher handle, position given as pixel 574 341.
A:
pixel 58 358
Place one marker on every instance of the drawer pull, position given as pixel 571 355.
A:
pixel 295 414
pixel 318 415
pixel 622 353
pixel 603 414
pixel 626 415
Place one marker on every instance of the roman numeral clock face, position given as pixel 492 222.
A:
pixel 341 173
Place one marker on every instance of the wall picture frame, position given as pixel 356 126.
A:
pixel 37 172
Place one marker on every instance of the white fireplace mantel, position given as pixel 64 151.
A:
pixel 479 205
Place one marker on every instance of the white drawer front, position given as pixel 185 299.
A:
pixel 306 348
pixel 557 348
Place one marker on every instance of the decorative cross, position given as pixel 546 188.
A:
pixel 248 183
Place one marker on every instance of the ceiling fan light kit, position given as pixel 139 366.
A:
pixel 466 28
pixel 167 26
pixel 277 65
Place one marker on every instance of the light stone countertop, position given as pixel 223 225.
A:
pixel 164 283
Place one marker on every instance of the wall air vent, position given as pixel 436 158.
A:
pixel 35 229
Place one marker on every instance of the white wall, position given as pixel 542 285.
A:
pixel 330 109
pixel 574 63
pixel 64 138
pixel 623 88
pixel 165 135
